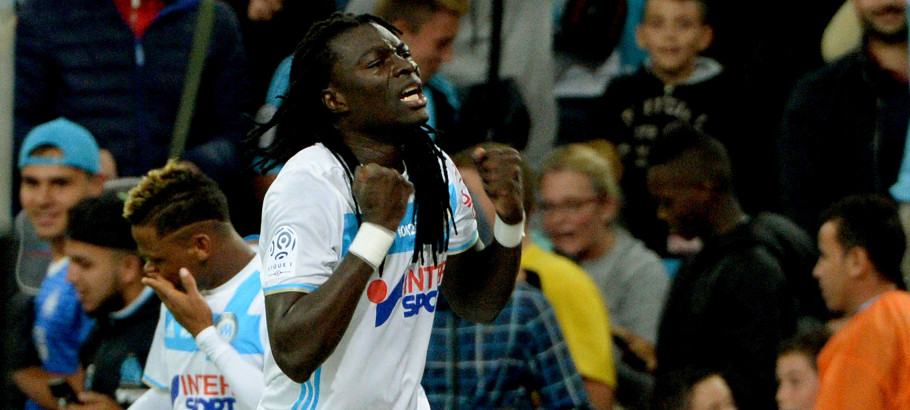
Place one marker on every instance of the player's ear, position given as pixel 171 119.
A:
pixel 334 100
pixel 858 261
pixel 131 267
pixel 201 246
pixel 705 38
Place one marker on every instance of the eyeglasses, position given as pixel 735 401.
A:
pixel 567 206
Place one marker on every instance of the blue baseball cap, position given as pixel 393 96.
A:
pixel 77 144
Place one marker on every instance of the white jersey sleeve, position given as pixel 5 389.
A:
pixel 156 374
pixel 304 216
pixel 465 233
pixel 244 377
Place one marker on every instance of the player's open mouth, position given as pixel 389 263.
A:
pixel 413 95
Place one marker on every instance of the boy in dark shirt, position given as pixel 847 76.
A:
pixel 675 83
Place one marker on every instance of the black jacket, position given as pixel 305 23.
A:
pixel 728 308
pixel 636 107
pixel 80 60
pixel 843 133
pixel 114 354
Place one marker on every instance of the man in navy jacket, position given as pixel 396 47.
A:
pixel 118 67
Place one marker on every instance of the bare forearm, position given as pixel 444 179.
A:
pixel 33 382
pixel 478 284
pixel 304 329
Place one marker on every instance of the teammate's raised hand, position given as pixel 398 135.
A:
pixel 189 308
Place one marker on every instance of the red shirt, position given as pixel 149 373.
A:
pixel 139 14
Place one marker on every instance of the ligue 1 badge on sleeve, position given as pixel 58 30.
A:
pixel 282 252
pixel 226 325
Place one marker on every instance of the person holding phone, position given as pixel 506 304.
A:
pixel 64 393
pixel 106 272
pixel 59 165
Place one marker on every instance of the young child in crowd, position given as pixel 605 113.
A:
pixel 693 389
pixel 675 83
pixel 797 371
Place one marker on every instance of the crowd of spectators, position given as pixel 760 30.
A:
pixel 715 213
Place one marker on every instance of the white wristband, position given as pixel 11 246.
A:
pixel 371 243
pixel 507 235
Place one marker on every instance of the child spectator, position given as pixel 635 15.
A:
pixel 693 389
pixel 797 371
pixel 674 83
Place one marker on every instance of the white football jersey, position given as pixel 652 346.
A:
pixel 307 225
pixel 175 364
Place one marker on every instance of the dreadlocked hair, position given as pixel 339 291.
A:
pixel 427 171
pixel 303 120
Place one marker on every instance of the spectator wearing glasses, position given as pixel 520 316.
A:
pixel 580 203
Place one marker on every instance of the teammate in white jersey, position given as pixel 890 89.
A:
pixel 211 337
pixel 349 302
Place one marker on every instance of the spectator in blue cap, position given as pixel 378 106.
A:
pixel 77 147
pixel 59 165
pixel 77 150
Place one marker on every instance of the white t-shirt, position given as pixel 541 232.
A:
pixel 308 222
pixel 175 363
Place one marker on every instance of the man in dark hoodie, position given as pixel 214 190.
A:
pixel 729 305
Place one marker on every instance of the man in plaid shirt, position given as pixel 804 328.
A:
pixel 518 361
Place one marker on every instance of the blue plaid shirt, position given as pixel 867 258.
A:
pixel 518 361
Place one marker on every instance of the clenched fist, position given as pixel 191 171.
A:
pixel 382 194
pixel 500 171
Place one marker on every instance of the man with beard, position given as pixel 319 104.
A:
pixel 845 127
pixel 106 272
